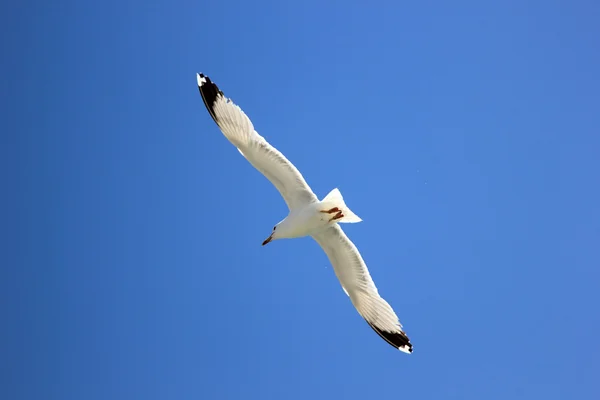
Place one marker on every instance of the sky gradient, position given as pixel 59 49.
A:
pixel 465 135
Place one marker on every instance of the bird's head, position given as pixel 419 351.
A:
pixel 274 235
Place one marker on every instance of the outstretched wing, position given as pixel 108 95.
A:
pixel 238 128
pixel 356 281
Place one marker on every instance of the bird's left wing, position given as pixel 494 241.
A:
pixel 238 128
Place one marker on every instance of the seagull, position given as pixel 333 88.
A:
pixel 307 215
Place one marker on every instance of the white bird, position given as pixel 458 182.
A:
pixel 307 215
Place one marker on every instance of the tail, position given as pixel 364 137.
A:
pixel 336 200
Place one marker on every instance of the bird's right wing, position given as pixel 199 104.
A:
pixel 238 128
pixel 356 281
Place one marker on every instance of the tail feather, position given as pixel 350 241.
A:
pixel 335 198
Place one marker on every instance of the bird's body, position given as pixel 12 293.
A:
pixel 314 217
pixel 307 215
pixel 303 221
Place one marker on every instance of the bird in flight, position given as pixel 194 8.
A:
pixel 307 215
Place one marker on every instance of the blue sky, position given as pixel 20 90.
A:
pixel 466 136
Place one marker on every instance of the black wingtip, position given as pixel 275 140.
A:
pixel 399 340
pixel 209 92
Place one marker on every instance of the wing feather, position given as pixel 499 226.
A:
pixel 238 128
pixel 356 281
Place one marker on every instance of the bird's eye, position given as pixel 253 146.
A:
pixel 274 227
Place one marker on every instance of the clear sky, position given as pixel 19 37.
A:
pixel 464 133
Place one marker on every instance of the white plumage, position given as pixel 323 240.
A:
pixel 308 216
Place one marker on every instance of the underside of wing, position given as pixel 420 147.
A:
pixel 396 339
pixel 238 128
pixel 356 281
